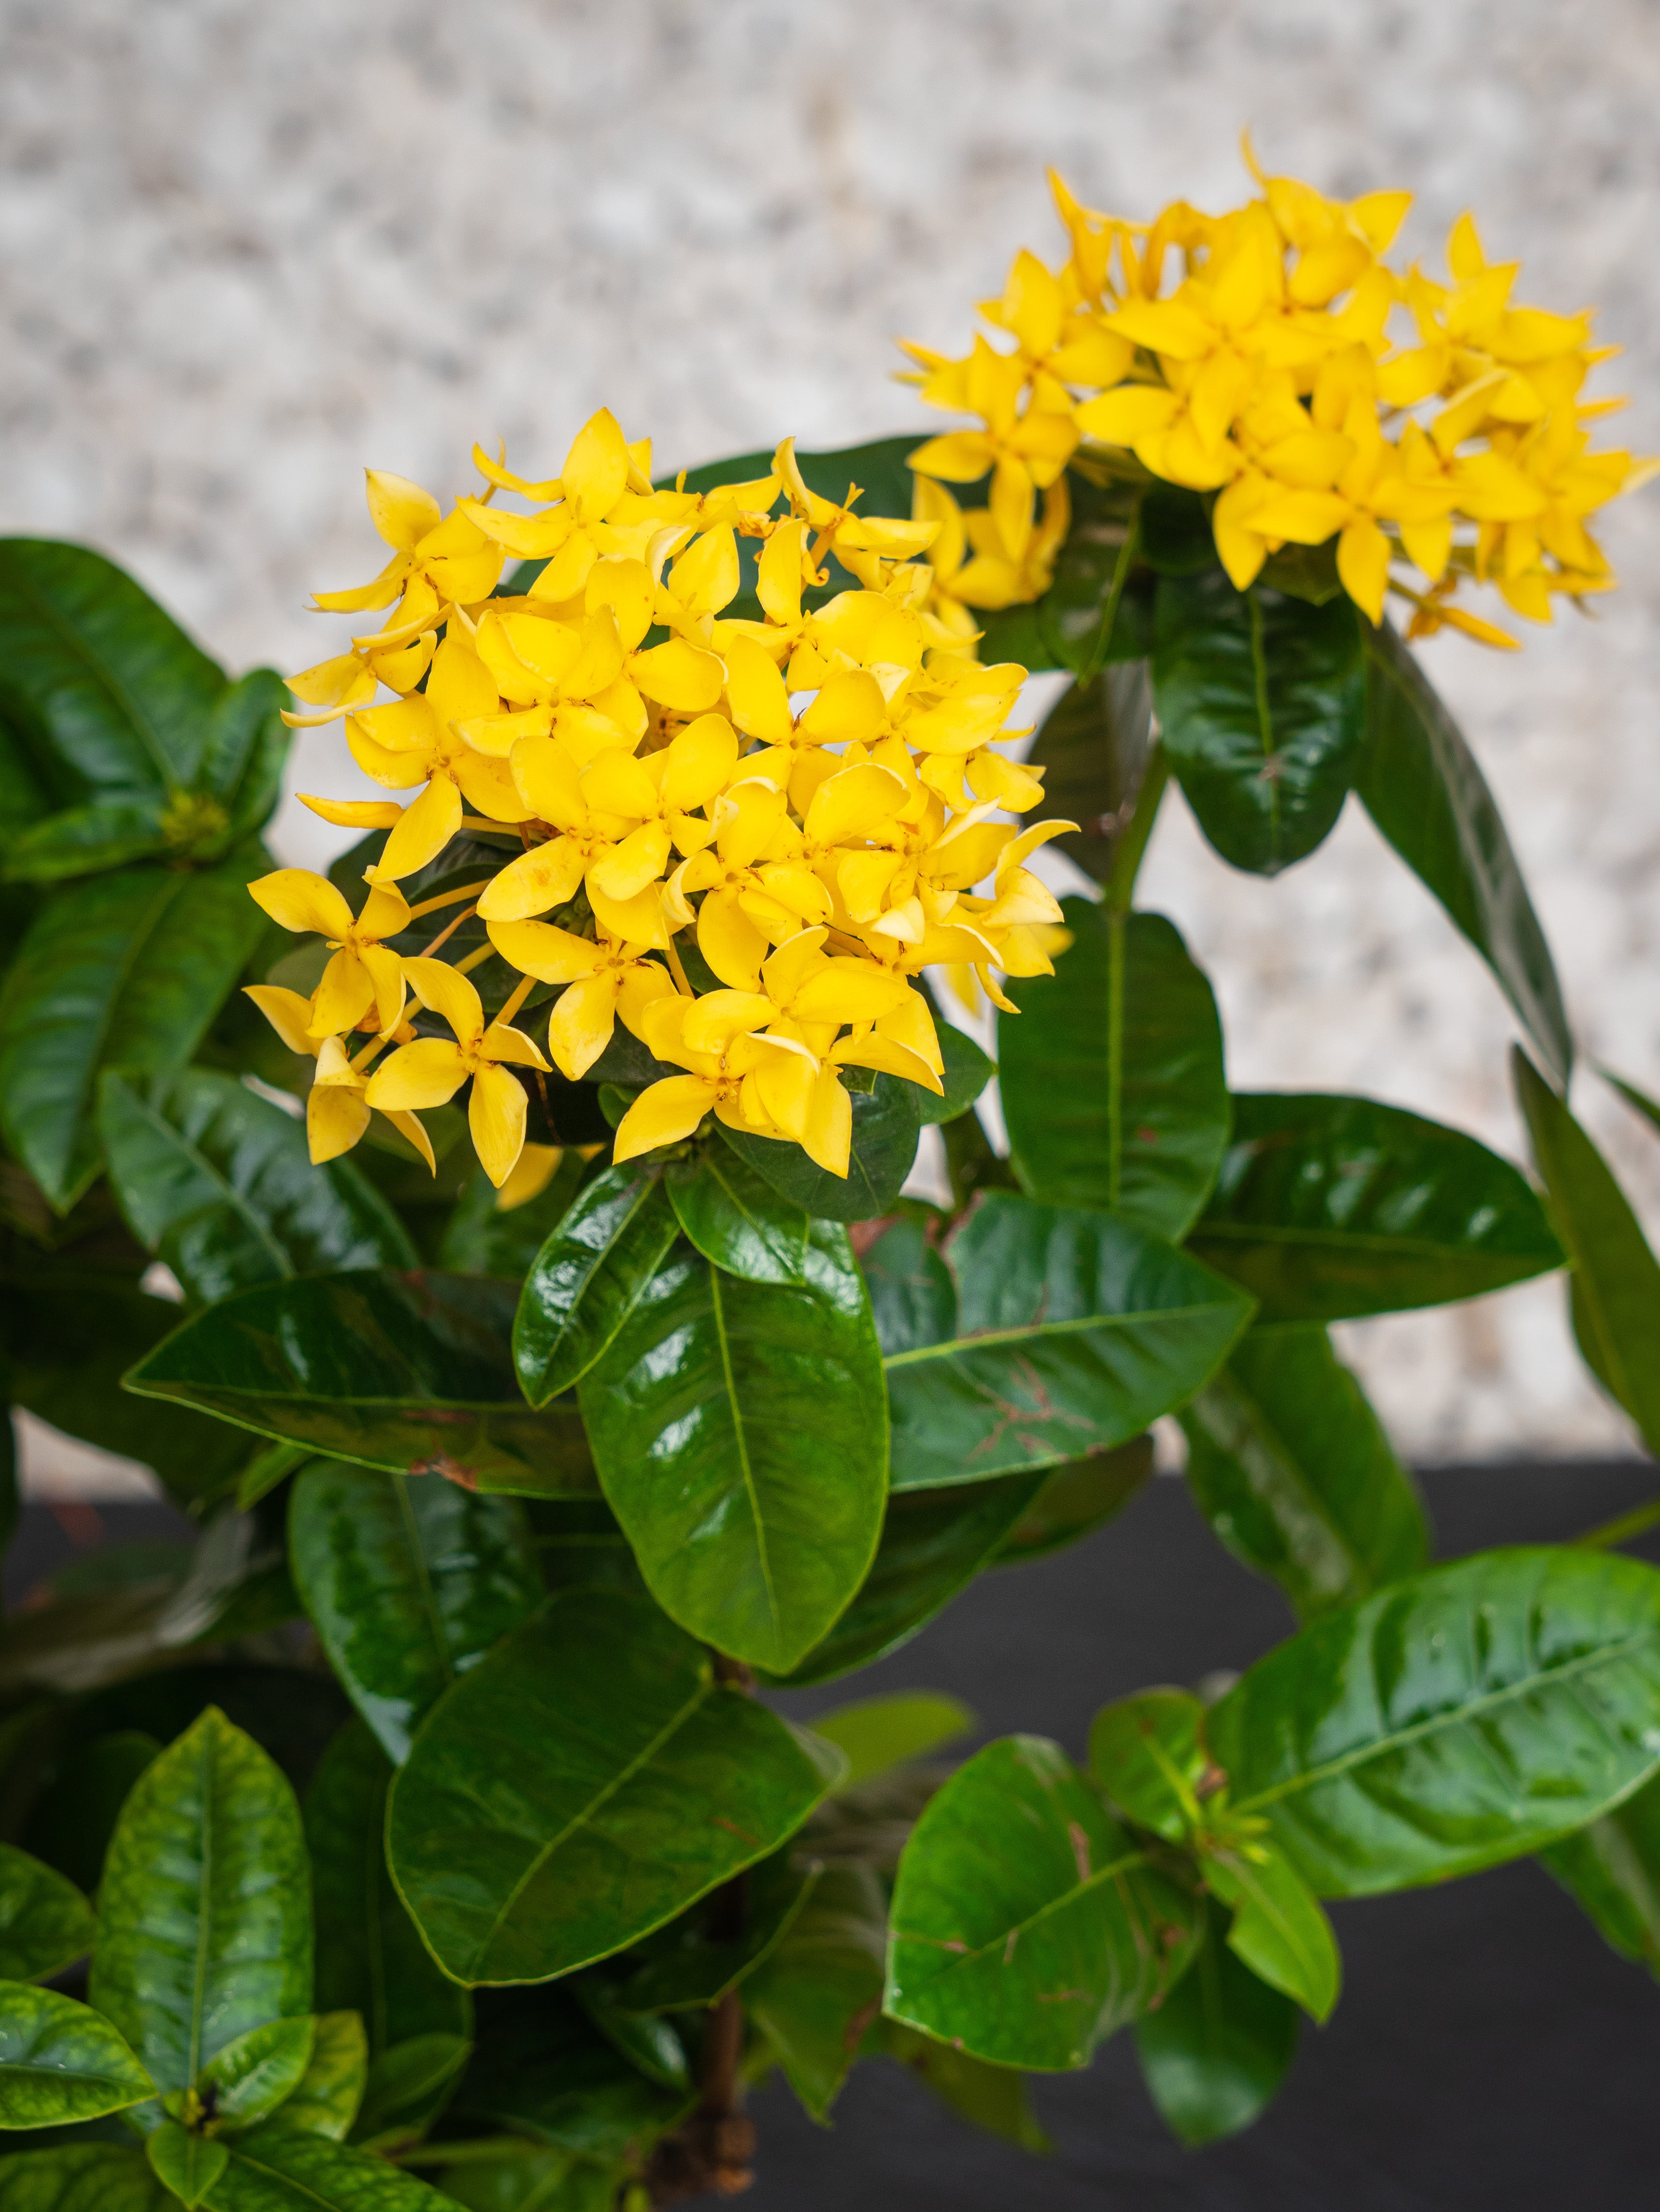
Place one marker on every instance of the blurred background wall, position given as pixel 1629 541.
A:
pixel 245 250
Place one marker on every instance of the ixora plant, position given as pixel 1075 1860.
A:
pixel 426 1825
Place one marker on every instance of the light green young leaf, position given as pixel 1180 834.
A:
pixel 61 2061
pixel 185 2162
pixel 326 2098
pixel 1279 1928
pixel 878 1733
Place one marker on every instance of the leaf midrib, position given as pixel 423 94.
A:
pixel 745 1466
pixel 959 1960
pixel 229 1193
pixel 1246 1232
pixel 1030 1332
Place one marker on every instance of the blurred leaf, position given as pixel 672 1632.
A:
pixel 326 2098
pixel 1217 2048
pixel 816 1997
pixel 1147 1754
pixel 696 1970
pixel 61 2061
pixel 879 1732
pixel 45 1923
pixel 547 2073
pixel 249 2077
pixel 71 1826
pixel 480 1239
pixel 80 2176
pixel 1611 1867
pixel 990 2097
pixel 1093 745
pixel 409 2084
pixel 1075 1499
pixel 186 2163
pixel 1279 1929
pixel 276 2168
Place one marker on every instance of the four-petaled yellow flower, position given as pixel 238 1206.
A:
pixel 430 1071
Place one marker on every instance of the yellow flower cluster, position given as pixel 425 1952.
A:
pixel 806 798
pixel 1250 354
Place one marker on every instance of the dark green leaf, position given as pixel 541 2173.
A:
pixel 71 1826
pixel 547 2073
pixel 1331 1207
pixel 1026 1923
pixel 251 2076
pixel 326 2098
pixel 1419 782
pixel 879 1732
pixel 1261 701
pixel 1146 1753
pixel 650 2043
pixel 481 1239
pixel 933 1544
pixel 126 970
pixel 46 1924
pixel 370 1958
pixel 1177 539
pixel 409 2084
pixel 990 2097
pixel 60 2060
pixel 204 1924
pixel 1096 560
pixel 1613 1291
pixel 1279 1929
pixel 967 1072
pixel 408 1372
pixel 1612 1867
pixel 1469 1716
pixel 1217 2048
pixel 1094 745
pixel 1076 1499
pixel 410 1582
pixel 1073 1332
pixel 246 748
pixel 913 1300
pixel 290 1711
pixel 81 2177
pixel 588 1277
pixel 1294 1470
pixel 815 1997
pixel 186 2163
pixel 280 2169
pixel 739 1222
pixel 220 1183
pixel 581 1786
pixel 1112 1077
pixel 887 1121
pixel 699 1968
pixel 738 1431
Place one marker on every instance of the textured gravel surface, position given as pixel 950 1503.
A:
pixel 245 250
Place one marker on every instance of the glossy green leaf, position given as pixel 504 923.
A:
pixel 249 2078
pixel 933 1544
pixel 371 1960
pixel 408 1372
pixel 1261 699
pixel 739 1434
pixel 1611 1867
pixel 45 1923
pixel 739 1222
pixel 409 2084
pixel 1074 1331
pixel 1099 606
pixel 583 1785
pixel 1279 1929
pixel 1111 1078
pixel 1613 1291
pixel 880 1733
pixel 990 2097
pixel 1294 1472
pixel 1093 746
pixel 219 1183
pixel 817 1993
pixel 701 1958
pixel 1026 1923
pixel 124 971
pixel 546 2072
pixel 1078 1498
pixel 408 1582
pixel 1147 1754
pixel 185 2162
pixel 1419 782
pixel 887 1122
pixel 204 1924
pixel 651 2044
pixel 276 2168
pixel 588 1278
pixel 913 1300
pixel 967 1071
pixel 1638 1101
pixel 1331 1207
pixel 1217 2048
pixel 480 1239
pixel 61 2061
pixel 80 2176
pixel 1466 1716
pixel 71 1826
pixel 325 2100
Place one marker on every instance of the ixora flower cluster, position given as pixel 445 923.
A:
pixel 805 798
pixel 1250 355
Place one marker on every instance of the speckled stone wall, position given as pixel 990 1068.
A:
pixel 246 249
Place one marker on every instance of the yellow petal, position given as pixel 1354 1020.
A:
pixel 288 1014
pixel 846 990
pixel 539 949
pixel 420 833
pixel 596 472
pixel 700 761
pixel 1119 417
pixel 353 813
pixel 545 877
pixel 679 677
pixel 1363 565
pixel 887 1056
pixel 427 1072
pixel 663 1114
pixel 636 920
pixel 295 898
pixel 400 510
pixel 488 787
pixel 537 1165
pixel 730 941
pixel 512 1047
pixel 335 1120
pixel 854 802
pixel 849 709
pixel 617 783
pixel 413 1131
pixel 829 1136
pixel 581 1024
pixel 496 1114
pixel 448 994
pixel 344 994
pixel 712 1021
pixel 626 871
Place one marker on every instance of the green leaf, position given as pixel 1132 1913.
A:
pixel 1611 1867
pixel 879 1732
pixel 547 2073
pixel 409 2084
pixel 815 1997
pixel 588 1278
pixel 277 2168
pixel 80 2176
pixel 651 2044
pixel 1328 1208
pixel 46 1924
pixel 582 1785
pixel 967 1071
pixel 408 1583
pixel 1146 1753
pixel 697 1969
pixel 71 1826
pixel 1294 1472
pixel 1261 699
pixel 1093 745
pixel 1419 781
pixel 933 1544
pixel 913 1300
pixel 246 749
pixel 735 1219
pixel 1076 1499
pixel 220 1183
pixel 125 971
pixel 1026 1923
pixel 739 1434
pixel 370 1958
pixel 61 2061
pixel 1095 581
pixel 408 1372
pixel 249 2078
pixel 1074 1331
pixel 1469 1716
pixel 325 2100
pixel 1279 1929
pixel 1217 2048
pixel 481 1239
pixel 204 1924
pixel 990 2097
pixel 1613 1292
pixel 1111 1078
pixel 887 1122
pixel 186 2163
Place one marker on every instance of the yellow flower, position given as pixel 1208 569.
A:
pixel 1024 451
pixel 605 980
pixel 430 1072
pixel 454 560
pixel 364 972
pixel 335 1115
